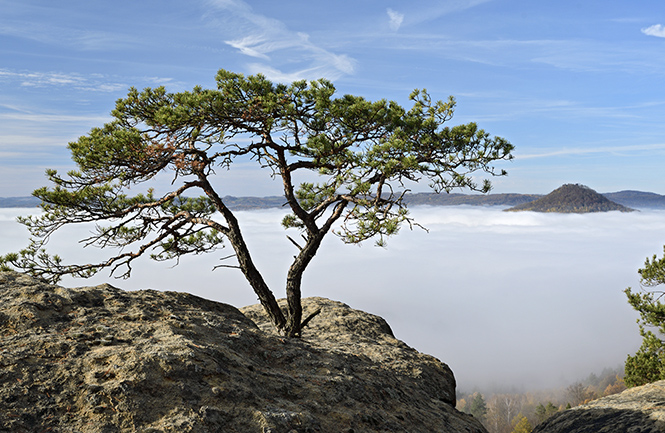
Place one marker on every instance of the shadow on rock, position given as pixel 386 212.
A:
pixel 600 420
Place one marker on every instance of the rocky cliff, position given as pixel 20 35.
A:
pixel 99 359
pixel 636 410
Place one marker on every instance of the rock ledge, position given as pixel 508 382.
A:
pixel 636 410
pixel 99 359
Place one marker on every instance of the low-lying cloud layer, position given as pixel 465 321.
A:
pixel 506 299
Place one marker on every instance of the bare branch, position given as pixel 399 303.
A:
pixel 294 242
pixel 226 266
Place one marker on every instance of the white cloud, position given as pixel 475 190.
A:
pixel 272 41
pixel 657 30
pixel 42 79
pixel 395 18
pixel 158 80
pixel 252 46
pixel 95 83
pixel 281 76
pixel 86 83
pixel 103 87
pixel 435 10
pixel 50 79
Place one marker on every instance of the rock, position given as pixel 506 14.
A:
pixel 636 410
pixel 99 359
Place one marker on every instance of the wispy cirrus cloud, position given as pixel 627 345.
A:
pixel 577 55
pixel 594 150
pixel 60 79
pixel 395 19
pixel 40 79
pixel 87 83
pixel 253 46
pixel 432 10
pixel 53 118
pixel 657 30
pixel 82 40
pixel 270 40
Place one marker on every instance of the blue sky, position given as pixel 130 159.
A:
pixel 576 86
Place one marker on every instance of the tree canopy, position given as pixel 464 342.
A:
pixel 648 364
pixel 363 154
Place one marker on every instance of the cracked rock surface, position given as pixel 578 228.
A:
pixel 100 359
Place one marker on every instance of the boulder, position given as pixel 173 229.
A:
pixel 100 359
pixel 636 410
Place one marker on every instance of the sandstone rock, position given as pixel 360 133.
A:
pixel 636 410
pixel 102 360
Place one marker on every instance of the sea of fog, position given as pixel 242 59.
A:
pixel 508 300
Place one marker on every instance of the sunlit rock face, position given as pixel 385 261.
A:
pixel 100 359
pixel 639 409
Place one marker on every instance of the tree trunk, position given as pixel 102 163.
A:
pixel 294 277
pixel 252 274
pixel 294 316
pixel 294 282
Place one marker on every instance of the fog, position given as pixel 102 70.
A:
pixel 508 300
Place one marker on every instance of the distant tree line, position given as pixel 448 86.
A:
pixel 522 412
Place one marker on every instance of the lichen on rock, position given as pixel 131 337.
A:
pixel 100 359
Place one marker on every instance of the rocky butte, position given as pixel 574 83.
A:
pixel 103 360
pixel 571 198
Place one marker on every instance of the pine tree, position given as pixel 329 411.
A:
pixel 648 364
pixel 478 407
pixel 343 162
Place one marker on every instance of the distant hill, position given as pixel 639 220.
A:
pixel 443 199
pixel 633 199
pixel 235 203
pixel 418 199
pixel 19 201
pixel 572 198
pixel 252 203
pixel 637 199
